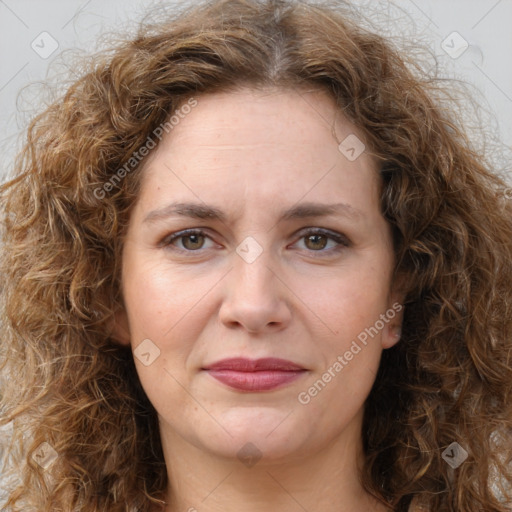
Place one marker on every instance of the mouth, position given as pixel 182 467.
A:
pixel 255 375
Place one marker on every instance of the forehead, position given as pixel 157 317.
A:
pixel 256 144
pixel 247 117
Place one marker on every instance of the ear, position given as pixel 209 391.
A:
pixel 120 327
pixel 394 314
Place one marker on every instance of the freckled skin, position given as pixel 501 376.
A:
pixel 254 154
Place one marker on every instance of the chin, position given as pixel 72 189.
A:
pixel 258 433
pixel 252 450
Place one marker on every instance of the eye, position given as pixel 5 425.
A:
pixel 317 239
pixel 191 239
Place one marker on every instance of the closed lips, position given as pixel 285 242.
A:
pixel 255 375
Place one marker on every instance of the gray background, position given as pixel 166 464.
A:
pixel 75 26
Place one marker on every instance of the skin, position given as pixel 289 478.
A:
pixel 254 154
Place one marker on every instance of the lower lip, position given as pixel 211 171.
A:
pixel 255 381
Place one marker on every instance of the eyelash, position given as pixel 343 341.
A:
pixel 331 235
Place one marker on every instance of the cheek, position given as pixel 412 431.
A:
pixel 162 310
pixel 159 298
pixel 349 356
pixel 353 298
pixel 351 306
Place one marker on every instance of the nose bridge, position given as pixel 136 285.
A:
pixel 255 297
pixel 252 275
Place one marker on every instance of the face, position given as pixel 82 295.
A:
pixel 277 249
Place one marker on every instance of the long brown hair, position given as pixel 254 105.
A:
pixel 72 393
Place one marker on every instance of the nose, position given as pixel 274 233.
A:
pixel 256 297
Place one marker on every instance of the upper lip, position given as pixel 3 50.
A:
pixel 242 364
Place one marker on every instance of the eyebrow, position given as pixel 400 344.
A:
pixel 204 211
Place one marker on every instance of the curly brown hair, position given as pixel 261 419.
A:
pixel 67 383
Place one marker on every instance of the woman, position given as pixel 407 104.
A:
pixel 250 263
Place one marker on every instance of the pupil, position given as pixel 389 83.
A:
pixel 312 237
pixel 193 239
